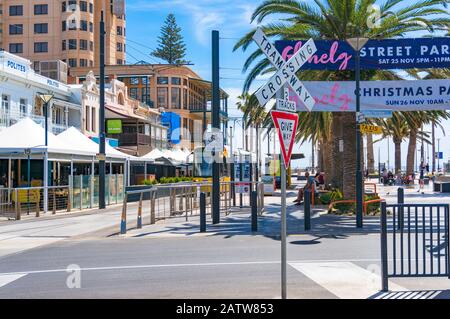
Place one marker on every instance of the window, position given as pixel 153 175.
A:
pixel 94 120
pixel 185 99
pixel 64 25
pixel 83 63
pixel 15 29
pixel 40 47
pixel 72 44
pixel 91 45
pixel 41 28
pixel 73 25
pixel 91 8
pixel 119 61
pixel 83 25
pixel 145 96
pixel 83 45
pixel 40 9
pixel 73 5
pixel 63 7
pixel 91 27
pixel 5 103
pixel 162 97
pixel 119 31
pixel 87 120
pixel 16 11
pixel 16 47
pixel 73 63
pixel 145 80
pixel 23 107
pixel 175 100
pixel 176 81
pixel 64 45
pixel 163 80
pixel 134 81
pixel 134 93
pixel 83 6
pixel 119 47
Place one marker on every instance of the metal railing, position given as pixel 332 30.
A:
pixel 414 241
pixel 16 202
pixel 182 200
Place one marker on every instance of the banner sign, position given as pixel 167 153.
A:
pixel 377 114
pixel 379 95
pixel 375 55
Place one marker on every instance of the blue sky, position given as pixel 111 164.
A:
pixel 232 18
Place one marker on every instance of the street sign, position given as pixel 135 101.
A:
pixel 360 118
pixel 286 125
pixel 372 129
pixel 439 155
pixel 100 157
pixel 377 114
pixel 285 104
pixel 285 70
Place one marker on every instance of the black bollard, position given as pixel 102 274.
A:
pixel 400 200
pixel 202 212
pixel 307 209
pixel 254 200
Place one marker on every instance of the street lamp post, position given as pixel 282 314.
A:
pixel 357 44
pixel 46 98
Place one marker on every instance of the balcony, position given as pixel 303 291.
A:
pixel 131 139
pixel 8 118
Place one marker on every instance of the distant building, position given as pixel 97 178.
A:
pixel 49 30
pixel 169 88
pixel 140 126
pixel 20 88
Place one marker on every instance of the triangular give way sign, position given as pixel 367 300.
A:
pixel 286 125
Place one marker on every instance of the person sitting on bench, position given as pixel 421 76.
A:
pixel 309 182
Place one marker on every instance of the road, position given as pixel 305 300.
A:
pixel 174 261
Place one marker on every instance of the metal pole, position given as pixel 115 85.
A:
pixel 283 233
pixel 439 153
pixel 216 126
pixel 359 182
pixel 102 150
pixel 433 148
pixel 45 181
pixel 384 253
pixel 46 122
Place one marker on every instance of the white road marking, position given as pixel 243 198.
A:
pixel 237 263
pixel 344 279
pixel 7 279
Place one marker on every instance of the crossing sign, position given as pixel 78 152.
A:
pixel 286 125
pixel 285 104
pixel 285 70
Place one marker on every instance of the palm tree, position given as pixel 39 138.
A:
pixel 339 19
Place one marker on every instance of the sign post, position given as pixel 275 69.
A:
pixel 285 123
pixel 286 126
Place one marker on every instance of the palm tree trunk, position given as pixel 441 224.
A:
pixel 327 160
pixel 411 151
pixel 398 155
pixel 370 154
pixel 336 170
pixel 349 155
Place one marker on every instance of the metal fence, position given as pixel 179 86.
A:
pixel 414 241
pixel 16 202
pixel 183 201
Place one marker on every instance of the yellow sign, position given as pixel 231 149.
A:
pixel 372 129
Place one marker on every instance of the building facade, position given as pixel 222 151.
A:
pixel 51 30
pixel 170 89
pixel 140 126
pixel 20 91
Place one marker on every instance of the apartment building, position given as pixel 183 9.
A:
pixel 51 30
